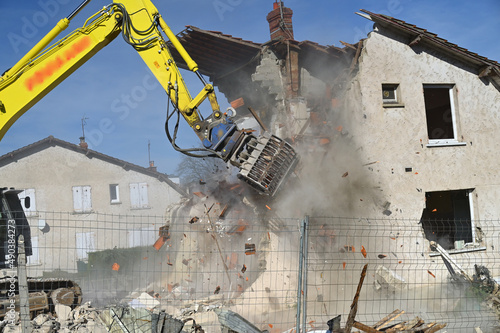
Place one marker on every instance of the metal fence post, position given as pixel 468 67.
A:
pixel 304 273
pixel 22 282
pixel 301 262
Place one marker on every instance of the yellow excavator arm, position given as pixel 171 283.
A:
pixel 264 161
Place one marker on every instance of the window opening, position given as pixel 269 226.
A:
pixel 114 193
pixel 447 218
pixel 440 113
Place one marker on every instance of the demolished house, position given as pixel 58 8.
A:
pixel 409 117
pixel 395 128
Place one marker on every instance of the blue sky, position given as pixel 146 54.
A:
pixel 103 83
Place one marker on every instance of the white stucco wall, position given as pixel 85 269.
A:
pixel 396 138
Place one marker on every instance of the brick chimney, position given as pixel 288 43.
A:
pixel 83 144
pixel 152 166
pixel 280 21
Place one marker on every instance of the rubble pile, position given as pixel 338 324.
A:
pixel 83 318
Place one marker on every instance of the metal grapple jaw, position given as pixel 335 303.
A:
pixel 265 162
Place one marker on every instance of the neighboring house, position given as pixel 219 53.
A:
pixel 409 119
pixel 76 192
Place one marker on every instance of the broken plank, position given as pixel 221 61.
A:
pixel 413 323
pixel 435 328
pixel 354 305
pixel 386 320
pixel 364 328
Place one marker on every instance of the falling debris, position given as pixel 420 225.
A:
pixel 249 249
pixel 223 212
pixel 237 103
pixel 164 234
pixel 345 174
pixel 434 276
pixel 217 290
pixel 115 267
pixel 194 220
pixel 363 251
pixel 244 268
pixel 381 256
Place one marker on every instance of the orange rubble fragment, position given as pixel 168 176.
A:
pixel 343 265
pixel 324 141
pixel 434 276
pixel 363 251
pixel 115 267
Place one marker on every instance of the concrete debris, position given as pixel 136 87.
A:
pixel 233 322
pixel 388 280
pixel 144 301
pixel 83 318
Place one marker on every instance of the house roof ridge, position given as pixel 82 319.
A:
pixel 52 141
pixel 411 28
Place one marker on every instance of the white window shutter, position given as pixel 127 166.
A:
pixel 87 199
pixel 77 199
pixel 85 243
pixel 134 196
pixel 143 195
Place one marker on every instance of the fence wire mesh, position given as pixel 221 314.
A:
pixel 193 267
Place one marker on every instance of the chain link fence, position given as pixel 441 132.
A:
pixel 278 274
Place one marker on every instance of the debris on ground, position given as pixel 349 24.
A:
pixel 385 324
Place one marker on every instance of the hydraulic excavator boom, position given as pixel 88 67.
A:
pixel 264 161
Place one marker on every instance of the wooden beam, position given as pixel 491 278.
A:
pixel 365 328
pixel 384 321
pixel 416 40
pixel 354 305
pixel 485 71
pixel 348 45
pixel 435 328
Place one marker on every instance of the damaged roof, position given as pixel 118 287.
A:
pixel 486 68
pixel 218 54
pixel 50 141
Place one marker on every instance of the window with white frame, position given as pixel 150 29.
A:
pixel 139 196
pixel 448 218
pixel 82 199
pixel 114 193
pixel 28 193
pixel 391 95
pixel 85 243
pixel 440 112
